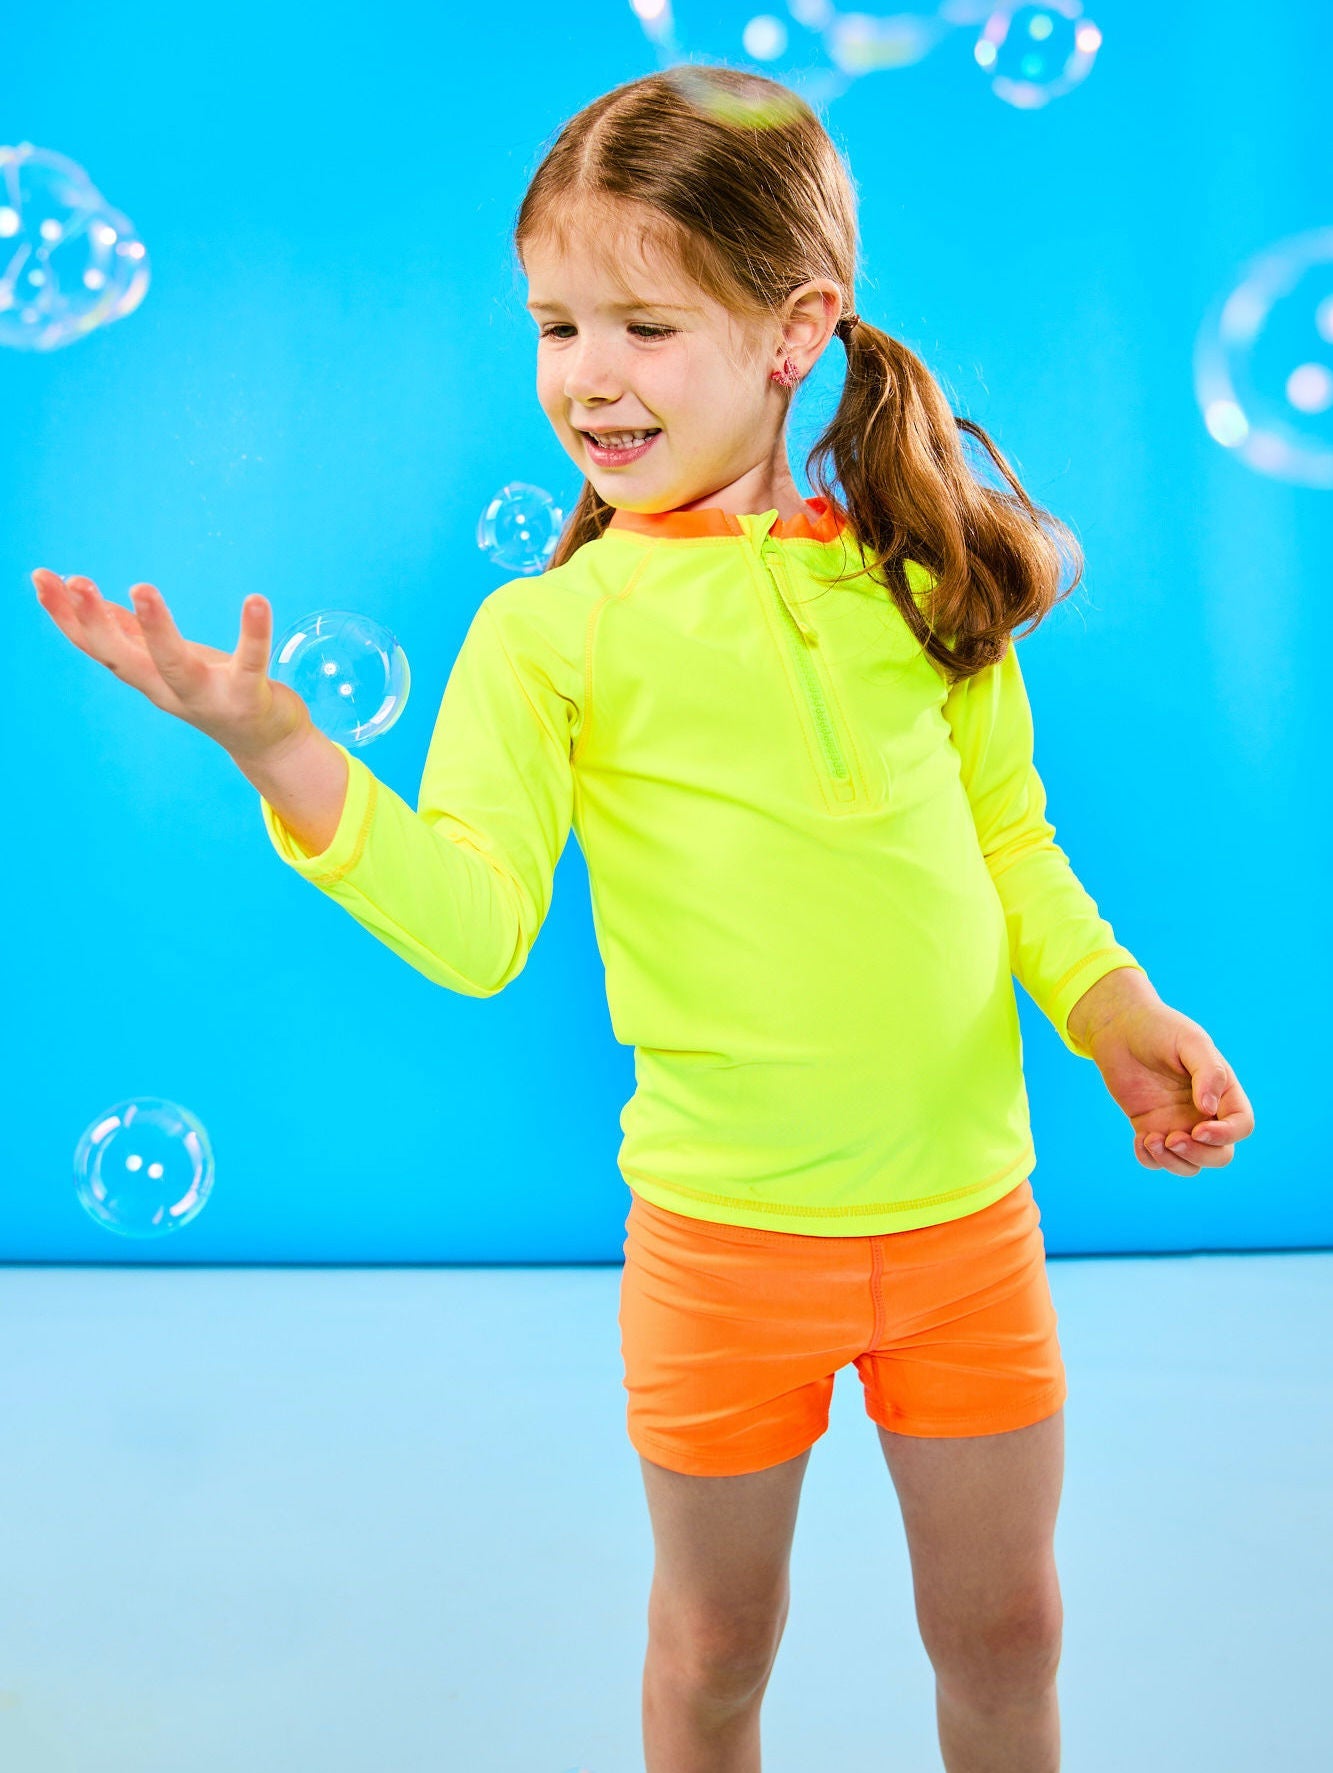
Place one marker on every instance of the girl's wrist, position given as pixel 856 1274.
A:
pixel 1101 1003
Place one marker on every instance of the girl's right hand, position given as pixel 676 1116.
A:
pixel 229 696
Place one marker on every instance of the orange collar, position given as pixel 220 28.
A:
pixel 709 520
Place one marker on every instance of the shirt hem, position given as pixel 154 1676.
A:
pixel 875 1218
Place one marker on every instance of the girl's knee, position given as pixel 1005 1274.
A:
pixel 726 1653
pixel 1004 1654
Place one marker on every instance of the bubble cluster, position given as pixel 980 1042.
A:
pixel 68 261
pixel 1032 54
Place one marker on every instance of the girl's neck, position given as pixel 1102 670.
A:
pixel 762 488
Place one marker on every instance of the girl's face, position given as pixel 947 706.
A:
pixel 673 361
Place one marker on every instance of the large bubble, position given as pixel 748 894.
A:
pixel 520 528
pixel 1263 362
pixel 143 1168
pixel 68 261
pixel 1034 54
pixel 348 669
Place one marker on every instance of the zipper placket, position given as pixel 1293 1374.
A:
pixel 803 638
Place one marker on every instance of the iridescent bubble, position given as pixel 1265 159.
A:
pixel 815 50
pixel 348 669
pixel 68 261
pixel 143 1168
pixel 1034 54
pixel 861 43
pixel 1263 362
pixel 520 528
pixel 747 110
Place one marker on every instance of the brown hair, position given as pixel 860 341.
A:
pixel 738 178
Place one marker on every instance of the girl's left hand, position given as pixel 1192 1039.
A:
pixel 1182 1098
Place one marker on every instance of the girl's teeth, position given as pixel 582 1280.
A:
pixel 619 439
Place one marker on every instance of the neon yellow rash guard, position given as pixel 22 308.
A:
pixel 813 866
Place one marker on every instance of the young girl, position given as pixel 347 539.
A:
pixel 795 745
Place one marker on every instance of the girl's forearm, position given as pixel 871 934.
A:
pixel 304 780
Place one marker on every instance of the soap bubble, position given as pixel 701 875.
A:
pixel 756 110
pixel 1034 54
pixel 520 528
pixel 815 50
pixel 1263 362
pixel 860 43
pixel 348 669
pixel 143 1168
pixel 68 261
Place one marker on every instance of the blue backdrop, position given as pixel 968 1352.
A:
pixel 330 376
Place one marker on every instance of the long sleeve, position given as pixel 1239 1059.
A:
pixel 1058 943
pixel 460 887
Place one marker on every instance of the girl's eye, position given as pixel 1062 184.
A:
pixel 652 332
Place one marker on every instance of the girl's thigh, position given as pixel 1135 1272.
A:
pixel 722 1553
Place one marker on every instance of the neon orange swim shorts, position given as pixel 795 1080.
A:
pixel 731 1334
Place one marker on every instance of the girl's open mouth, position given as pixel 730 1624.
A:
pixel 607 456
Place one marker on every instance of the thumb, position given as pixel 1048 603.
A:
pixel 252 647
pixel 1206 1066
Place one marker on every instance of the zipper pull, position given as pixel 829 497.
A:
pixel 778 570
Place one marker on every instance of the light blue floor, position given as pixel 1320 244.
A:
pixel 387 1521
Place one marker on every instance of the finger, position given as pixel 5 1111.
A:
pixel 1231 1116
pixel 1202 1154
pixel 165 641
pixel 83 615
pixel 1210 1074
pixel 252 648
pixel 127 622
pixel 130 626
pixel 60 604
pixel 1219 1131
pixel 1231 1104
pixel 1157 1157
pixel 1238 1115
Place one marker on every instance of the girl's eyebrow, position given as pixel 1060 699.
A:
pixel 613 307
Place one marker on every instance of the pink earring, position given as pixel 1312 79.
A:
pixel 787 376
